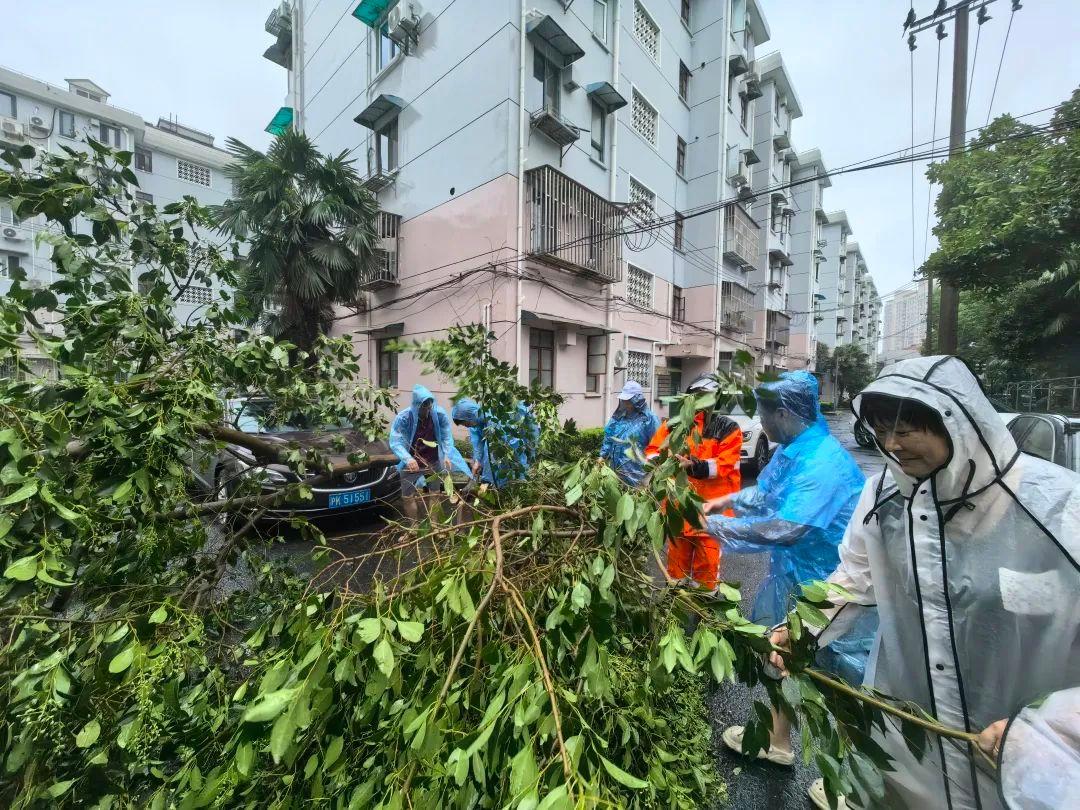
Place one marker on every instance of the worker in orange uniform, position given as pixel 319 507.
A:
pixel 713 468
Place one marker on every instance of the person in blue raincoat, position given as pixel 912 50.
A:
pixel 422 440
pixel 520 438
pixel 632 425
pixel 797 512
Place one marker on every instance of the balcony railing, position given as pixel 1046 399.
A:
pixel 777 330
pixel 742 238
pixel 384 270
pixel 736 304
pixel 572 227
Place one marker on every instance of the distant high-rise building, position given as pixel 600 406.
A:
pixel 905 324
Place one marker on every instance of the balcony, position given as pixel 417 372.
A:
pixel 383 272
pixel 742 238
pixel 571 227
pixel 279 25
pixel 736 306
pixel 777 331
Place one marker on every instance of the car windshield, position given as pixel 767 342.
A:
pixel 259 416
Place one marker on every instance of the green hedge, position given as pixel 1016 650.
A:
pixel 570 444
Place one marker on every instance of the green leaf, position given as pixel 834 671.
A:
pixel 410 631
pixel 369 629
pixel 245 758
pixel 21 494
pixel 122 660
pixel 63 511
pixel 581 596
pixel 281 735
pixel 625 510
pixel 523 771
pixel 557 799
pixel 159 615
pixel 6 522
pixel 384 657
pixel 89 734
pixel 269 706
pixel 622 777
pixel 60 788
pixel 23 569
pixel 333 751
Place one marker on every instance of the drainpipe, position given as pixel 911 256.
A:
pixel 613 176
pixel 722 174
pixel 520 191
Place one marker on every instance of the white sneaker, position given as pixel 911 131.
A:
pixel 733 737
pixel 821 800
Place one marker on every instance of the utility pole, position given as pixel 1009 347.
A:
pixel 949 298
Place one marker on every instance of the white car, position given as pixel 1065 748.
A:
pixel 756 447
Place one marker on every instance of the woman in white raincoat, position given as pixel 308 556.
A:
pixel 973 560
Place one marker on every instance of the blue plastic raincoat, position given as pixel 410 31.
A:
pixel 403 431
pixel 800 507
pixel 482 428
pixel 623 430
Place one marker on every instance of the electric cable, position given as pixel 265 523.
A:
pixel 1001 61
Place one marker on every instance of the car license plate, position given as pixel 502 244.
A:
pixel 342 499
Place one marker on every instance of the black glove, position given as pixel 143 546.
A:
pixel 698 468
pixel 720 427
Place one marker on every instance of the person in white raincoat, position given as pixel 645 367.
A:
pixel 973 561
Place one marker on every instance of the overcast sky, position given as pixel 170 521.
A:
pixel 201 60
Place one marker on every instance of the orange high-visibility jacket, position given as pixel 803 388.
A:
pixel 721 457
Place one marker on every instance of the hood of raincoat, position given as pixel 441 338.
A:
pixel 795 392
pixel 983 450
pixel 467 410
pixel 420 395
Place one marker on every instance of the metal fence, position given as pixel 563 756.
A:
pixel 1051 395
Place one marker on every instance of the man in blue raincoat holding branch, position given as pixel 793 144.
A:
pixel 797 512
pixel 503 450
pixel 422 440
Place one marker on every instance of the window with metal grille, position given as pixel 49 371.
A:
pixel 542 357
pixel 144 160
pixel 193 173
pixel 595 363
pixel 680 156
pixel 680 226
pixel 646 31
pixel 639 287
pixel 643 118
pixel 388 364
pixel 196 294
pixel 143 197
pixel 67 124
pixel 641 195
pixel 684 82
pixel 109 135
pixel 678 304
pixel 639 368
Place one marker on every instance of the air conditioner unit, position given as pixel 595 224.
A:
pixel 13 233
pixel 38 121
pixel 739 179
pixel 403 21
pixel 12 129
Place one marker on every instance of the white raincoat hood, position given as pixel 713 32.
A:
pixel 982 448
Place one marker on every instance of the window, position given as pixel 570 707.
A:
pixel 196 294
pixel 639 368
pixel 647 32
pixel 643 118
pixel 600 19
pixel 732 83
pixel 776 215
pixel 678 304
pixel 639 287
pixel 144 160
pixel 8 265
pixel 386 147
pixel 7 216
pixel 599 131
pixel 595 363
pixel 680 226
pixel 109 135
pixel 680 156
pixel 744 111
pixel 642 196
pixel 388 361
pixel 542 357
pixel 67 124
pixel 8 106
pixel 1034 436
pixel 684 12
pixel 193 173
pixel 684 82
pixel 548 74
pixel 87 94
pixel 145 198
pixel 388 49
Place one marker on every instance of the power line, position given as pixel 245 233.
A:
pixel 911 54
pixel 1001 61
pixel 933 135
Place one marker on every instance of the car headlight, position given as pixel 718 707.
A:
pixel 747 435
pixel 266 475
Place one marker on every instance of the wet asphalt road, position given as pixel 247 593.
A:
pixel 752 785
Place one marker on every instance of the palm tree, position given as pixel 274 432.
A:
pixel 310 228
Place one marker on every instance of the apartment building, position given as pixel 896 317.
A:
pixel 170 161
pixel 905 324
pixel 511 147
pixel 810 179
pixel 774 212
pixel 833 280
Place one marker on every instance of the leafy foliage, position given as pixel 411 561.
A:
pixel 852 368
pixel 309 226
pixel 526 657
pixel 1009 235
